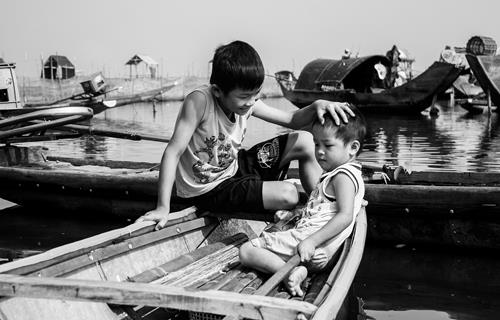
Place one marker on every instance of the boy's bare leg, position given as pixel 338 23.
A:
pixel 300 146
pixel 269 262
pixel 260 258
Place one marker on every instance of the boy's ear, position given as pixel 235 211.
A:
pixel 355 145
pixel 217 91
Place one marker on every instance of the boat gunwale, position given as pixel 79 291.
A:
pixel 34 263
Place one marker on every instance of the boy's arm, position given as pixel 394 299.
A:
pixel 344 195
pixel 189 118
pixel 301 118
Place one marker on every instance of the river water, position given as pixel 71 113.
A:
pixel 394 281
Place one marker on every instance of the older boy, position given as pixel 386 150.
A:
pixel 204 156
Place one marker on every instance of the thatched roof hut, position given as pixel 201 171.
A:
pixel 58 67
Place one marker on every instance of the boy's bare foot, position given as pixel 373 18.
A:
pixel 295 279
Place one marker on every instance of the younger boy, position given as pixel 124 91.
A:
pixel 204 155
pixel 330 212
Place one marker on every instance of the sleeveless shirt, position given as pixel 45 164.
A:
pixel 212 153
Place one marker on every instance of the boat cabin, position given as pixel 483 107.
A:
pixel 363 74
pixel 9 92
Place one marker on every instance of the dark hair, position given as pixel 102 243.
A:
pixel 237 65
pixel 354 129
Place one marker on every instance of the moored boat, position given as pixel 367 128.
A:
pixel 188 270
pixel 332 80
pixel 448 208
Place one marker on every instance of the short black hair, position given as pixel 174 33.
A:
pixel 354 129
pixel 237 65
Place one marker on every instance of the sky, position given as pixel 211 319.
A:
pixel 101 35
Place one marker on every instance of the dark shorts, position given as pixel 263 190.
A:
pixel 243 191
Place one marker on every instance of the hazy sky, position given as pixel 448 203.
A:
pixel 101 35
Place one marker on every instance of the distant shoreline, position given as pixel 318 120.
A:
pixel 42 90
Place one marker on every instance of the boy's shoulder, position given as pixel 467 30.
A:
pixel 351 169
pixel 203 90
pixel 199 95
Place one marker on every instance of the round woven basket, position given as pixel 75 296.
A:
pixel 481 46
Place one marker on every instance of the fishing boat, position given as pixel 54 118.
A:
pixel 446 208
pixel 188 270
pixel 361 81
pixel 486 69
pixel 94 95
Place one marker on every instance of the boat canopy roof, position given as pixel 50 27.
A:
pixel 329 71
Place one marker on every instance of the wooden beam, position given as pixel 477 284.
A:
pixel 127 293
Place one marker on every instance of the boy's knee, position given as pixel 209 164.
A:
pixel 304 144
pixel 245 252
pixel 289 196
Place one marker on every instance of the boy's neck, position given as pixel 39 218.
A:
pixel 230 115
pixel 353 159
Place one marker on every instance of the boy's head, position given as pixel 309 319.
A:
pixel 237 65
pixel 338 144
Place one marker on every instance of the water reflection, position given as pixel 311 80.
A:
pixel 454 140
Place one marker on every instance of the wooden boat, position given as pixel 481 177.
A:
pixel 446 208
pixel 486 69
pixel 454 209
pixel 351 81
pixel 188 270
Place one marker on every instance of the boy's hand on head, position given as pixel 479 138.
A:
pixel 306 249
pixel 338 110
pixel 159 215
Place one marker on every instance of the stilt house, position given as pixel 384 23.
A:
pixel 150 63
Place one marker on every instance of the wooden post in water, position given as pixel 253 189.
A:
pixel 433 109
pixel 488 99
pixel 452 97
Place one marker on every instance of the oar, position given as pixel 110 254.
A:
pixel 114 133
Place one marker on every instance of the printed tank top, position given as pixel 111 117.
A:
pixel 212 153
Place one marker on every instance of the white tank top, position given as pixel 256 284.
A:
pixel 212 153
